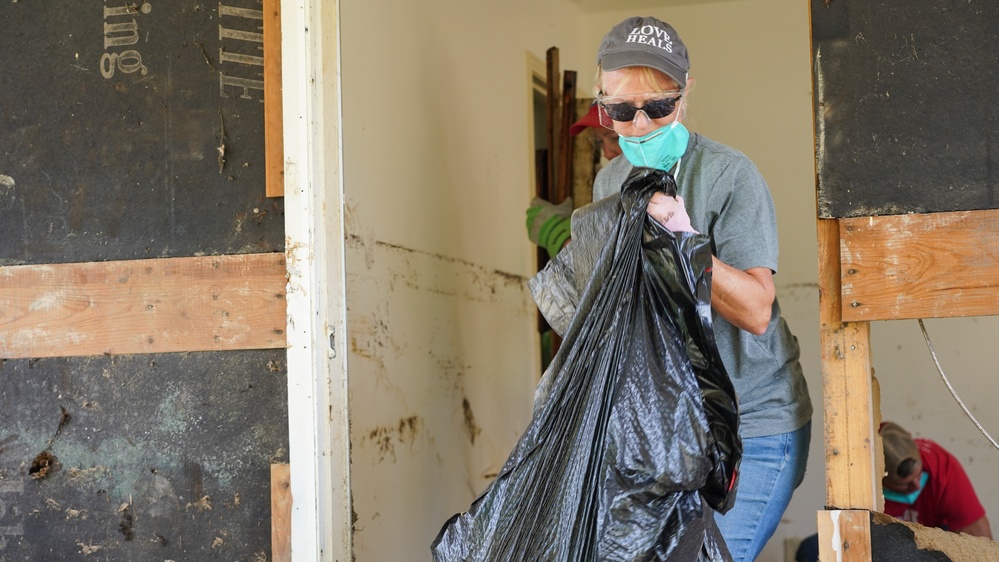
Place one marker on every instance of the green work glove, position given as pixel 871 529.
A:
pixel 548 225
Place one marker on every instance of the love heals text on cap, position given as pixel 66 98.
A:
pixel 651 35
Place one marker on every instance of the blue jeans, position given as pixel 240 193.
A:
pixel 772 467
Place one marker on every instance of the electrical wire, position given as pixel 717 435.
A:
pixel 951 388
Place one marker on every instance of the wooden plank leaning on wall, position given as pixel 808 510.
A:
pixel 273 110
pixel 280 512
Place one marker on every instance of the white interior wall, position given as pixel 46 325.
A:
pixel 443 350
pixel 442 341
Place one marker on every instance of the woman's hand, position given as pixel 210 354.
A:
pixel 670 212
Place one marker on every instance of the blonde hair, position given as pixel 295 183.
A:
pixel 654 78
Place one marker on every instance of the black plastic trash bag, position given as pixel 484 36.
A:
pixel 637 440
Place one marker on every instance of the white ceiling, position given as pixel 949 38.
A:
pixel 591 6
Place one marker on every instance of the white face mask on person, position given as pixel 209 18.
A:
pixel 660 149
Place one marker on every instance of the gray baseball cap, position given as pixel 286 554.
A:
pixel 650 42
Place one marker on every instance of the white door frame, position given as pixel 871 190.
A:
pixel 319 438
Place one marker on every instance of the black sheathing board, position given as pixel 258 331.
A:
pixel 110 149
pixel 905 115
pixel 111 152
pixel 160 457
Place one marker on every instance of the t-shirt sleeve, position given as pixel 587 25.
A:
pixel 744 230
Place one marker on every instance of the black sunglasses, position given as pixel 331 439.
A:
pixel 655 108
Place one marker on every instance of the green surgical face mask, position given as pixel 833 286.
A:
pixel 660 149
pixel 908 499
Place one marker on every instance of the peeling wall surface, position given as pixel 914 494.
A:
pixel 439 391
pixel 135 130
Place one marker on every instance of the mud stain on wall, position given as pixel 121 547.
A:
pixel 385 438
pixel 470 426
pixel 404 267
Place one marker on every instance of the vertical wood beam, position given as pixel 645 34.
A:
pixel 273 111
pixel 847 388
pixel 849 395
pixel 553 84
pixel 563 187
pixel 844 536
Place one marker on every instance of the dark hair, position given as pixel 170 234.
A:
pixel 905 468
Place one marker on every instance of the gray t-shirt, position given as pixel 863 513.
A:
pixel 728 200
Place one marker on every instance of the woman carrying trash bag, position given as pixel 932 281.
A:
pixel 673 350
pixel 642 83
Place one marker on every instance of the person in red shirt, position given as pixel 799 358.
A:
pixel 926 484
pixel 923 483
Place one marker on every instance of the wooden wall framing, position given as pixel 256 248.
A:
pixel 273 102
pixel 205 303
pixel 928 265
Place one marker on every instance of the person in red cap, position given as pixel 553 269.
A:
pixel 926 484
pixel 609 147
pixel 547 223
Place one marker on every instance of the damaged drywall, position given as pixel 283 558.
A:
pixel 903 541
